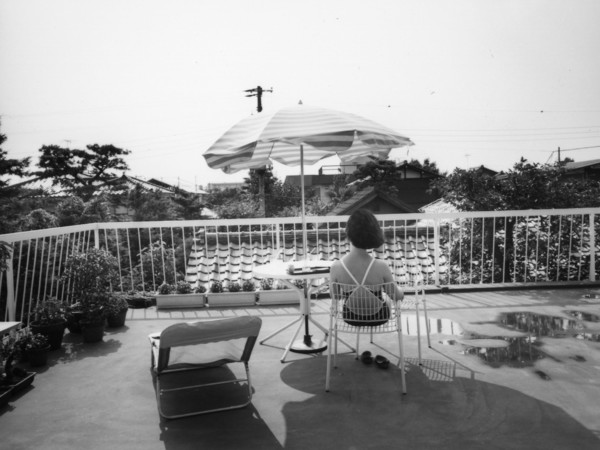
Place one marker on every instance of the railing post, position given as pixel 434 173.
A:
pixel 11 304
pixel 592 247
pixel 96 237
pixel 436 250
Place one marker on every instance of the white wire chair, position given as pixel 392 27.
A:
pixel 414 299
pixel 363 310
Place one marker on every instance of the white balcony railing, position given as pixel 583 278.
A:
pixel 447 249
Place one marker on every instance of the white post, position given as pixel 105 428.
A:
pixel 592 248
pixel 436 250
pixel 11 305
pixel 304 231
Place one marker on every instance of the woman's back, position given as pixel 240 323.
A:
pixel 379 271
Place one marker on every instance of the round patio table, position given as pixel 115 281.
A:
pixel 279 270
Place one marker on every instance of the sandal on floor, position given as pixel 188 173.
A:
pixel 366 357
pixel 382 362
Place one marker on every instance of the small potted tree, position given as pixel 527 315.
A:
pixel 271 293
pixel 180 295
pixel 49 318
pixel 93 309
pixel 235 294
pixel 116 311
pixel 89 277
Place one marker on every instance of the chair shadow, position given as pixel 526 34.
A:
pixel 441 410
pixel 247 428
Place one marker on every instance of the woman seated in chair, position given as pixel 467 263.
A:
pixel 364 233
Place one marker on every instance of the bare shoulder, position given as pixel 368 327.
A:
pixel 335 270
pixel 382 265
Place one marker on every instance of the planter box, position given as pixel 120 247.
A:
pixel 279 297
pixel 23 383
pixel 180 301
pixel 231 299
pixel 18 384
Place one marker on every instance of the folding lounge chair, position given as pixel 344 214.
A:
pixel 196 356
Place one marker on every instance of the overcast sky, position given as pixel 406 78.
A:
pixel 471 82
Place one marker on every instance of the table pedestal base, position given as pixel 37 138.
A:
pixel 301 346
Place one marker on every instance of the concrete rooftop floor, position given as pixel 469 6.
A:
pixel 99 396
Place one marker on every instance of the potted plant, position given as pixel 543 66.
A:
pixel 49 318
pixel 180 295
pixel 93 309
pixel 116 311
pixel 36 346
pixel 234 295
pixel 138 299
pixel 89 276
pixel 276 294
pixel 13 379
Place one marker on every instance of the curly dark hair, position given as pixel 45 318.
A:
pixel 363 230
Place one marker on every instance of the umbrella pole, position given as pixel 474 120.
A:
pixel 304 231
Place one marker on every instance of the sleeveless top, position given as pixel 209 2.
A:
pixel 362 306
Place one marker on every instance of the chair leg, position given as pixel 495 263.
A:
pixel 358 343
pixel 401 360
pixel 418 327
pixel 426 320
pixel 329 342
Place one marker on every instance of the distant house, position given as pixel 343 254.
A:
pixel 223 186
pixel 413 186
pixel 321 184
pixel 587 170
pixel 410 198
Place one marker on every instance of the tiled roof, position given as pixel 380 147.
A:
pixel 409 257
pixel 581 164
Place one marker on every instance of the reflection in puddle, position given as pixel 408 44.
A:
pixel 584 316
pixel 540 325
pixel 521 351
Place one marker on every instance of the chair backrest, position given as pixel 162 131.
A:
pixel 208 342
pixel 363 305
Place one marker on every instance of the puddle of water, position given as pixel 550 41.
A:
pixel 520 351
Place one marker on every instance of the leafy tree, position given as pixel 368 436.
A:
pixel 10 167
pixel 502 247
pixel 38 219
pixel 70 210
pixel 187 205
pixel 152 206
pixel 525 186
pixel 427 165
pixel 81 170
pixel 256 177
pixel 379 172
pixel 284 198
pixel 340 191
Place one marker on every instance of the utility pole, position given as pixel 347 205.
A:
pixel 258 92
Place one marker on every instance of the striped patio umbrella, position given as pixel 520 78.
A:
pixel 300 135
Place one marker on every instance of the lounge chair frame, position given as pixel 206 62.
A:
pixel 191 334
